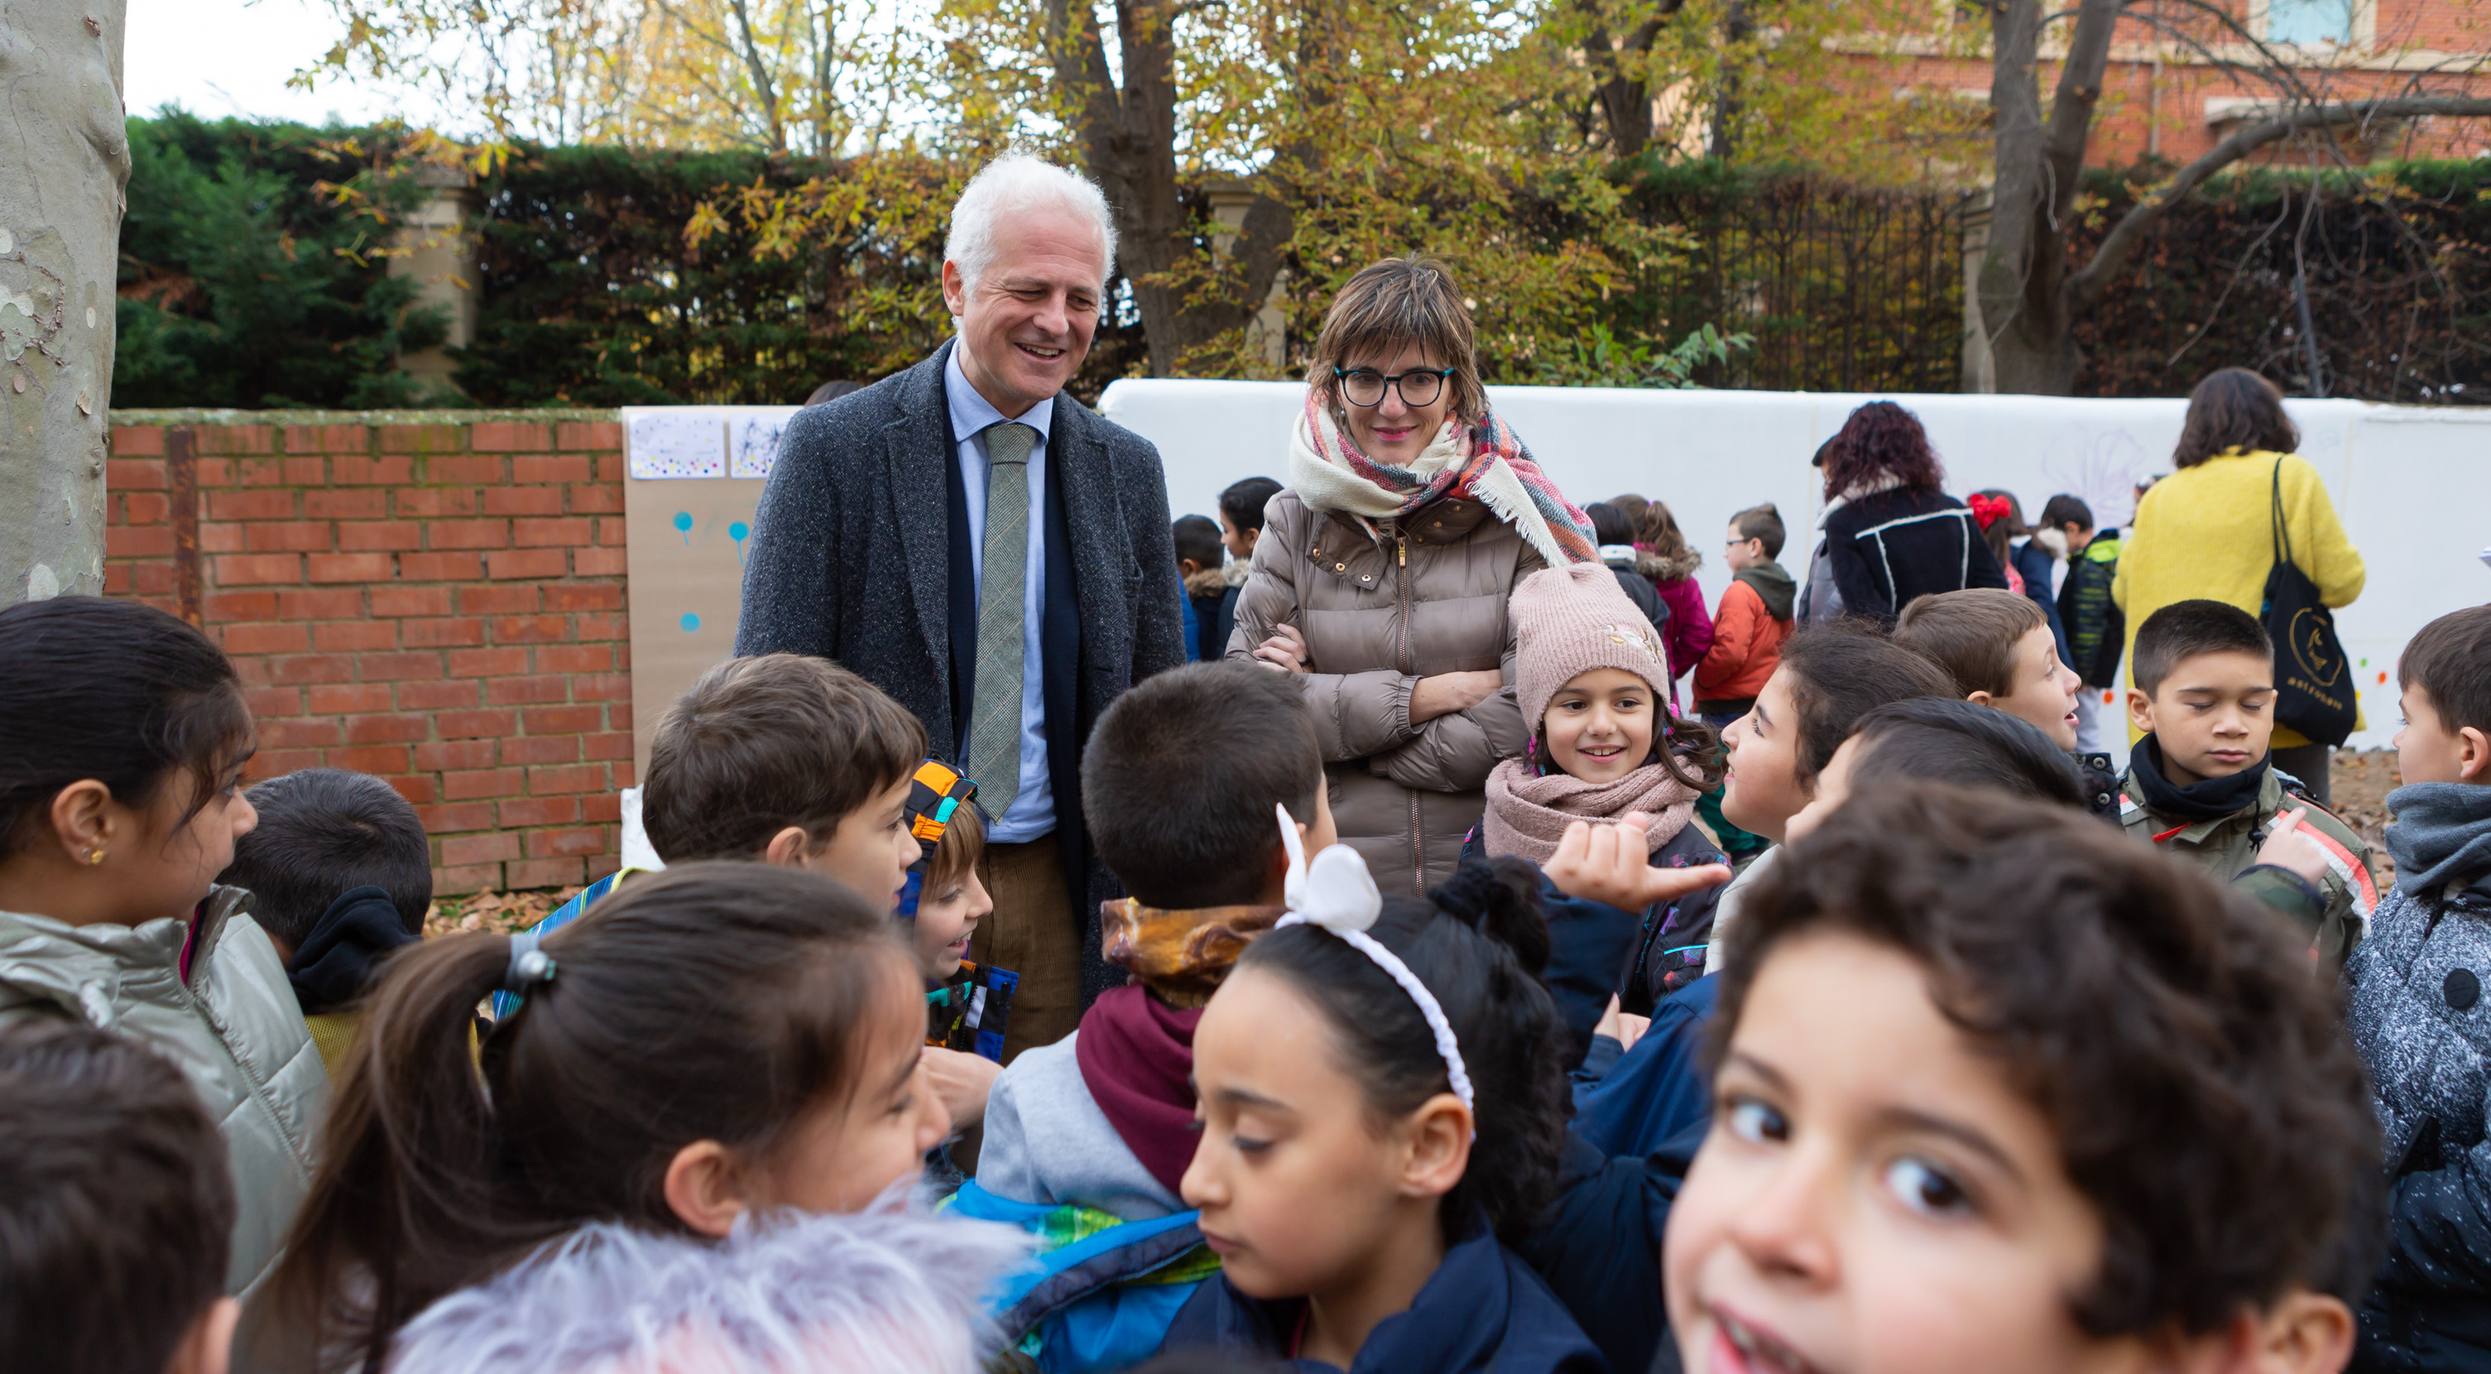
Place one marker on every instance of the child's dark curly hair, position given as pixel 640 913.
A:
pixel 2204 1097
pixel 1881 440
pixel 1478 942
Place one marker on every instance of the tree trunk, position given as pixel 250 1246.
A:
pixel 1128 137
pixel 2024 304
pixel 1625 105
pixel 64 159
pixel 1618 68
pixel 1737 29
pixel 2033 359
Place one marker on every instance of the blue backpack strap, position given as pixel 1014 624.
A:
pixel 504 1003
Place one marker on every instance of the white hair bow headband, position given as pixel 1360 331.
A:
pixel 1336 893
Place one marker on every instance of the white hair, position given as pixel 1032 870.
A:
pixel 1017 183
pixel 890 1292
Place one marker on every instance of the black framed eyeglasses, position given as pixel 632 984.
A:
pixel 1363 387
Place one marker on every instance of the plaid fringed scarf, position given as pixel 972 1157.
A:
pixel 1485 462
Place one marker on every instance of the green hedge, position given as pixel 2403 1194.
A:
pixel 2396 268
pixel 591 295
pixel 595 295
pixel 249 268
pixel 252 277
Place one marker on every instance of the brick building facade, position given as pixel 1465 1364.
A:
pixel 2170 97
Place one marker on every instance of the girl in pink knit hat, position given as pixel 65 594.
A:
pixel 1593 682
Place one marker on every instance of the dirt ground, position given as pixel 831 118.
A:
pixel 2362 782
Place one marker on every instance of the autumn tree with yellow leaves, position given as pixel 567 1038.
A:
pixel 1256 152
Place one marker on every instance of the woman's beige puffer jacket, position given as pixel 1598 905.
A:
pixel 1427 594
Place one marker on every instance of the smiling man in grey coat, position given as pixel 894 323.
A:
pixel 972 540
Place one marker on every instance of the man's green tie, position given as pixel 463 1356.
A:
pixel 995 710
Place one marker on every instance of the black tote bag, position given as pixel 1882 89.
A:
pixel 2313 684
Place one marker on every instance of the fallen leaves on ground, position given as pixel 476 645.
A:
pixel 498 912
pixel 2362 781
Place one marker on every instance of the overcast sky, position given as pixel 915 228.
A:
pixel 232 57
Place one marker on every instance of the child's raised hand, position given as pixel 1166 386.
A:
pixel 2292 850
pixel 962 1081
pixel 1612 864
pixel 1621 1025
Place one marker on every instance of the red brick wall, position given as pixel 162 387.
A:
pixel 441 604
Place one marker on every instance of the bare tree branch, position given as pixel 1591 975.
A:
pixel 768 129
pixel 2080 89
pixel 2286 82
pixel 2086 286
pixel 2274 66
pixel 763 87
pixel 1080 59
pixel 2240 267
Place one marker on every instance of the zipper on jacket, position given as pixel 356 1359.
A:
pixel 1401 601
pixel 261 1094
pixel 1409 665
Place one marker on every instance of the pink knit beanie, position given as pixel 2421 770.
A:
pixel 1571 620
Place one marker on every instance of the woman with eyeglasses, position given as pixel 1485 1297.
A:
pixel 1384 570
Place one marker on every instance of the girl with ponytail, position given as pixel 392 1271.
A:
pixel 716 1042
pixel 1381 1099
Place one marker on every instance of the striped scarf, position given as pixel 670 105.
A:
pixel 1485 462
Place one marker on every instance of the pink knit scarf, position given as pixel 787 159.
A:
pixel 1528 814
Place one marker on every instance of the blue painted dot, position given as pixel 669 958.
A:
pixel 683 522
pixel 739 531
pixel 691 621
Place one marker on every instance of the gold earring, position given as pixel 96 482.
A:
pixel 95 856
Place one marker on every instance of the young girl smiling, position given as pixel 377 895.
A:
pixel 1593 683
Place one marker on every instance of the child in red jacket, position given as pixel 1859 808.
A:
pixel 1755 618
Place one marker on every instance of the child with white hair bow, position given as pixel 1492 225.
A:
pixel 1381 1113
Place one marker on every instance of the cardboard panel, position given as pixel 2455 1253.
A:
pixel 689 534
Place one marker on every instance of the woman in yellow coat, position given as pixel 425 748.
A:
pixel 2207 529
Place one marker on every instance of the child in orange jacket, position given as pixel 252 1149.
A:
pixel 1754 619
pixel 1748 631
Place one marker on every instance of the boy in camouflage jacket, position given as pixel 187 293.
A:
pixel 2200 784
